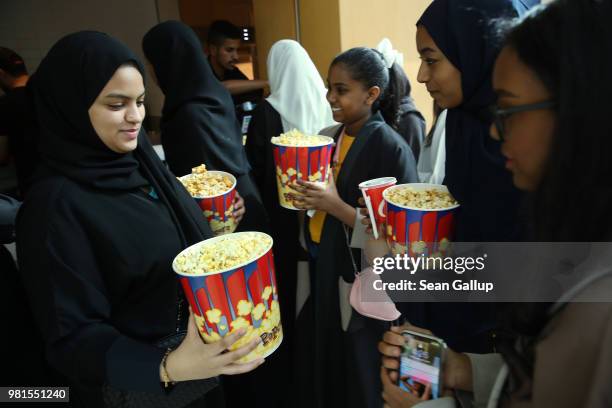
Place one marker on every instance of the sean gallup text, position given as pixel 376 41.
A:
pixel 473 285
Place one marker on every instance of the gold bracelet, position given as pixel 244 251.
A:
pixel 164 371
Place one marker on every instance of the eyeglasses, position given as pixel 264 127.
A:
pixel 500 115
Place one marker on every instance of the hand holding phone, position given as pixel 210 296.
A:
pixel 421 362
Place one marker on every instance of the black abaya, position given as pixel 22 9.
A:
pixel 475 173
pixel 378 151
pixel 98 231
pixel 198 119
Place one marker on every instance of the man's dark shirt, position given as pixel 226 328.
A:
pixel 236 74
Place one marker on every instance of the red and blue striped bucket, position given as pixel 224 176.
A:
pixel 416 231
pixel 243 296
pixel 309 163
pixel 219 209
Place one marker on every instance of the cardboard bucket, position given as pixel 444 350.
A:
pixel 219 209
pixel 417 231
pixel 309 163
pixel 372 191
pixel 243 296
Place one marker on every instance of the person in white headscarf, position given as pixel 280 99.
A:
pixel 297 91
pixel 297 101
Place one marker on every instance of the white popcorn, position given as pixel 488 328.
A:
pixel 296 138
pixel 202 183
pixel 225 253
pixel 430 199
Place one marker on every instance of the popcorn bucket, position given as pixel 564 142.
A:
pixel 372 191
pixel 309 163
pixel 219 209
pixel 242 296
pixel 418 231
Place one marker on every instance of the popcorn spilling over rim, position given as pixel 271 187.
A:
pixel 298 139
pixel 430 199
pixel 202 183
pixel 223 253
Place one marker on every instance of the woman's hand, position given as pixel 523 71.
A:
pixel 391 347
pixel 376 248
pixel 195 360
pixel 395 397
pixel 315 196
pixel 363 211
pixel 321 197
pixel 456 371
pixel 239 208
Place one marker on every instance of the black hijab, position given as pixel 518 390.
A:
pixel 67 82
pixel 186 78
pixel 475 173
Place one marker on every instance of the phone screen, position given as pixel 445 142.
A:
pixel 420 364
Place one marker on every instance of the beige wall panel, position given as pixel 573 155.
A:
pixel 200 13
pixel 320 31
pixel 365 23
pixel 274 20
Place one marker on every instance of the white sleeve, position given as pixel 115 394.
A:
pixel 485 370
pixel 432 160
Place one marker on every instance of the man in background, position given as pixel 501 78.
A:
pixel 223 43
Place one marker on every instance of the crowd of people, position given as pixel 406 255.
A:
pixel 520 140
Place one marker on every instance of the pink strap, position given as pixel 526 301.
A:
pixel 337 150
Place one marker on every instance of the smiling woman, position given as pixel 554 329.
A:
pixel 361 86
pixel 97 234
pixel 117 113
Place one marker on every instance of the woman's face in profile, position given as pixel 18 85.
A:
pixel 527 135
pixel 350 100
pixel 442 79
pixel 117 113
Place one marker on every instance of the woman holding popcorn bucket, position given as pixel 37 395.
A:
pixel 360 84
pixel 456 41
pixel 199 123
pixel 538 77
pixel 97 234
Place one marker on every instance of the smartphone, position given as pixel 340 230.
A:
pixel 421 364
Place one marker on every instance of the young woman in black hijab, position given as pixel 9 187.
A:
pixel 98 231
pixel 546 135
pixel 198 119
pixel 455 39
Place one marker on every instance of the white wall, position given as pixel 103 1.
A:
pixel 31 27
